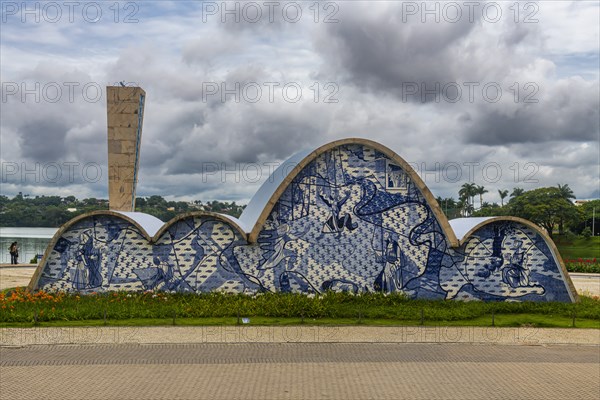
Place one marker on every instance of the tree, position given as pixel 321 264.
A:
pixel 503 194
pixel 587 233
pixel 565 191
pixel 480 190
pixel 466 194
pixel 70 200
pixel 545 206
pixel 567 194
pixel 489 210
pixel 449 206
pixel 4 201
pixel 181 206
pixel 156 201
pixel 589 214
pixel 516 193
pixel 92 201
pixel 469 209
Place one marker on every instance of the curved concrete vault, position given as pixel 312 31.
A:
pixel 349 216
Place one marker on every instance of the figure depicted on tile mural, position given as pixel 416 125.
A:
pixel 516 274
pixel 86 274
pixel 496 258
pixel 335 223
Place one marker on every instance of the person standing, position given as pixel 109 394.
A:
pixel 14 253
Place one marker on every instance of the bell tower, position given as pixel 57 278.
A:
pixel 125 114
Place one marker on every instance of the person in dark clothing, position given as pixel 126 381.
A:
pixel 14 253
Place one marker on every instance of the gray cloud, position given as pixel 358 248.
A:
pixel 43 139
pixel 245 134
pixel 370 53
pixel 569 111
pixel 378 51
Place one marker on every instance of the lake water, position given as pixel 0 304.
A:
pixel 31 241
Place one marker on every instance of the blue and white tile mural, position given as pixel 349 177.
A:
pixel 350 220
pixel 505 260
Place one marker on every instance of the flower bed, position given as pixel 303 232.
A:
pixel 584 265
pixel 21 306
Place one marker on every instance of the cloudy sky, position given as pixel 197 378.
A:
pixel 502 94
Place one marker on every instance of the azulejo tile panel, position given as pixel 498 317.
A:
pixel 351 220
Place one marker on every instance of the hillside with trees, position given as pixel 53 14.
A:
pixel 550 207
pixel 53 211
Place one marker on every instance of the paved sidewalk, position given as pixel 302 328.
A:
pixel 300 371
pixel 586 284
pixel 297 334
pixel 14 276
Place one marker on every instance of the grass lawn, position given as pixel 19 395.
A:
pixel 579 248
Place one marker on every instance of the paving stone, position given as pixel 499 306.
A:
pixel 300 371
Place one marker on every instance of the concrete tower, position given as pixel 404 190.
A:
pixel 125 112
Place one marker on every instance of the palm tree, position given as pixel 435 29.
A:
pixel 467 191
pixel 565 191
pixel 446 204
pixel 440 201
pixel 516 193
pixel 480 190
pixel 466 194
pixel 503 194
pixel 469 209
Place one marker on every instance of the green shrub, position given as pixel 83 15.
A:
pixel 583 266
pixel 586 233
